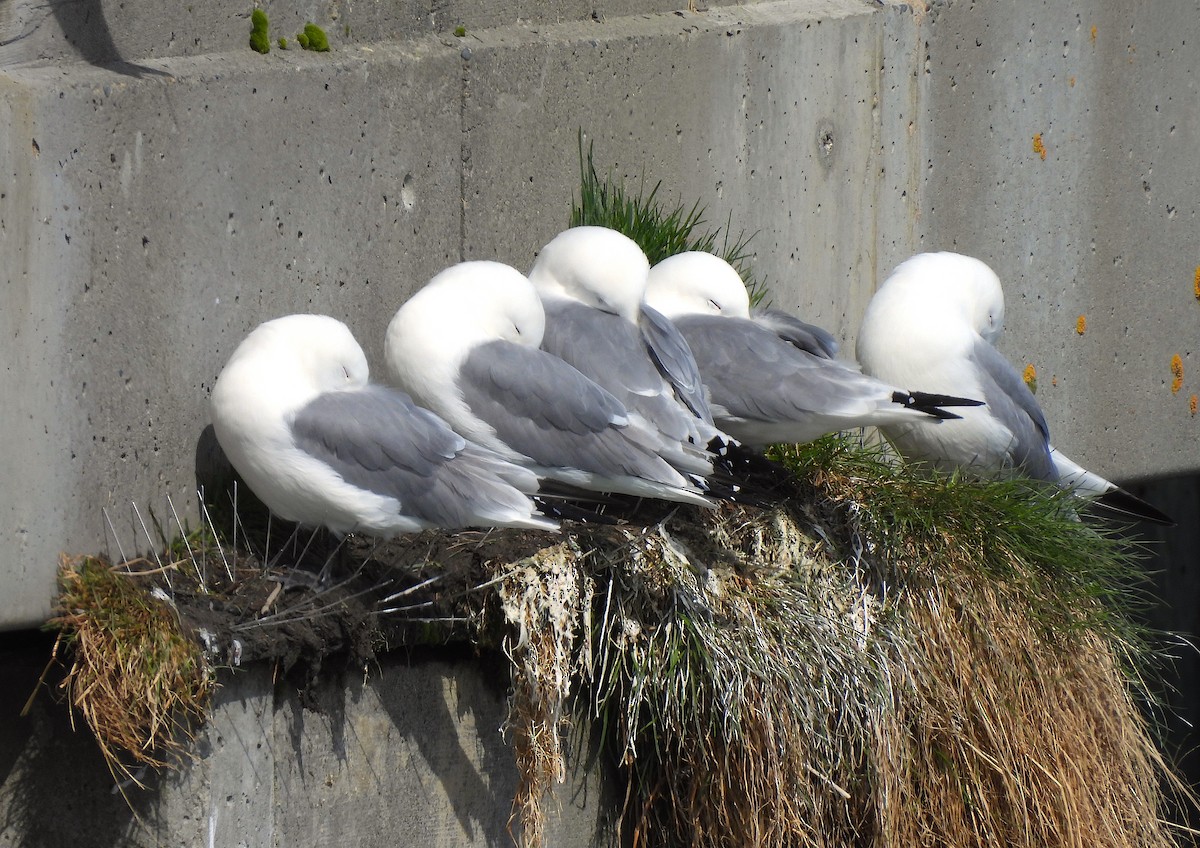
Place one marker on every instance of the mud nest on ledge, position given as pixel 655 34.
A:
pixel 887 659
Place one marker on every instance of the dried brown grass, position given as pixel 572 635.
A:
pixel 887 664
pixel 1001 736
pixel 544 599
pixel 140 683
pixel 886 661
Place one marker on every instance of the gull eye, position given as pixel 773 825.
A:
pixel 346 372
pixel 715 305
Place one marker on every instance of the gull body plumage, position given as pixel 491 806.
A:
pixel 771 378
pixel 295 414
pixel 592 282
pixel 468 346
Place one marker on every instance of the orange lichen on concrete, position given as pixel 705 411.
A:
pixel 1177 371
pixel 1093 34
pixel 1030 377
pixel 1038 146
pixel 1071 82
pixel 1081 324
pixel 1192 403
pixel 1196 283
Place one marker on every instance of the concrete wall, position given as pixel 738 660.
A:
pixel 151 215
pixel 1106 225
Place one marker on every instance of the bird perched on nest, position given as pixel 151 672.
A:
pixel 467 345
pixel 771 377
pixel 934 322
pixel 592 282
pixel 294 413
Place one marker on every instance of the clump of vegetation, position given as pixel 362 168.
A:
pixel 660 231
pixel 460 31
pixel 139 681
pixel 283 43
pixel 260 40
pixel 313 38
pixel 545 601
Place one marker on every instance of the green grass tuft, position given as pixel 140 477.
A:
pixel 660 231
pixel 313 38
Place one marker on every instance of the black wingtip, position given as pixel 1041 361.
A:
pixel 564 502
pixel 923 399
pixel 1119 500
pixel 931 404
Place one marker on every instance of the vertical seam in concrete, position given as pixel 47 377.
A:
pixel 877 143
pixel 923 127
pixel 464 154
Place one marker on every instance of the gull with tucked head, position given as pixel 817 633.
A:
pixel 934 321
pixel 591 281
pixel 295 414
pixel 771 378
pixel 467 345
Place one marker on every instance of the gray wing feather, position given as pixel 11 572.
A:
pixel 807 337
pixel 754 374
pixel 611 352
pixel 1011 401
pixel 675 361
pixel 546 409
pixel 376 438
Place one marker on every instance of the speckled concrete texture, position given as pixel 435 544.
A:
pixel 150 217
pixel 403 753
pixel 1059 147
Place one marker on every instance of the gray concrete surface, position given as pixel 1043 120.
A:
pixel 398 754
pixel 163 189
pixel 147 222
pixel 1106 226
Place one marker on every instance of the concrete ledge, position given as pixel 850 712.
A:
pixel 399 754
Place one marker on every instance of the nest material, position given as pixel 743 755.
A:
pixel 884 661
pixel 139 681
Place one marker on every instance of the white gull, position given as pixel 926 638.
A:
pixel 467 346
pixel 934 321
pixel 771 378
pixel 295 414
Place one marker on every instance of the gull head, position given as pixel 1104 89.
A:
pixel 288 361
pixel 944 283
pixel 697 283
pixel 468 304
pixel 464 306
pixel 595 266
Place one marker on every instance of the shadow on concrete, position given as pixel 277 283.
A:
pixel 480 787
pixel 223 488
pixel 1173 567
pixel 55 788
pixel 85 28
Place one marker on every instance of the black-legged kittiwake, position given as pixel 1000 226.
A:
pixel 295 414
pixel 772 379
pixel 934 322
pixel 467 346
